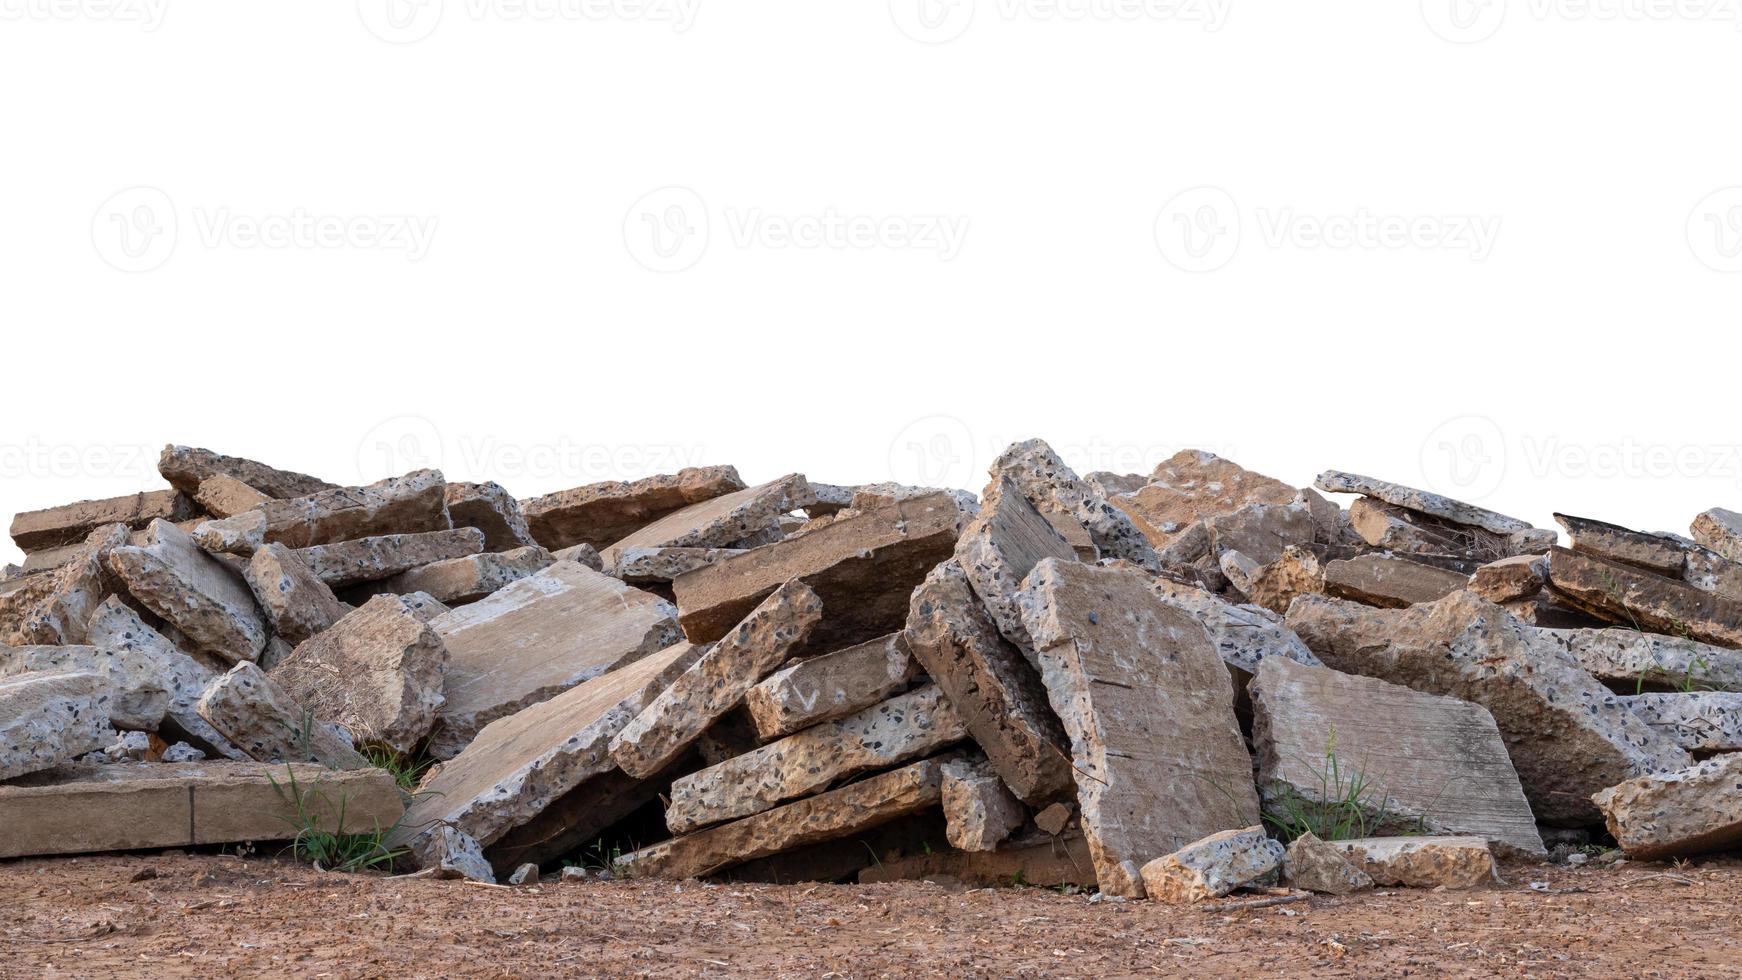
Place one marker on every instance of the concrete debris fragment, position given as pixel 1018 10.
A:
pixel 457 581
pixel 185 468
pixel 1409 498
pixel 823 688
pixel 414 502
pixel 348 563
pixel 601 514
pixel 979 811
pixel 1672 814
pixel 202 597
pixel 1318 866
pixel 70 524
pixel 134 692
pixel 1423 862
pixel 260 718
pixel 1699 721
pixel 1379 580
pixel 1721 531
pixel 1214 866
pixel 1627 595
pixel 720 521
pixel 296 602
pixel 51 717
pixel 116 626
pixel 1193 485
pixel 226 496
pixel 1054 488
pixel 491 509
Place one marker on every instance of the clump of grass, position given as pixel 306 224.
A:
pixel 330 850
pixel 1346 805
pixel 600 859
pixel 406 770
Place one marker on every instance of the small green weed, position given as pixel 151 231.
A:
pixel 330 850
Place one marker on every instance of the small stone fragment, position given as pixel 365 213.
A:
pixel 1274 586
pixel 584 554
pixel 1510 579
pixel 526 874
pixel 1213 867
pixel 979 811
pixel 1422 862
pixel 1054 818
pixel 491 509
pixel 226 496
pixel 1721 531
pixel 1316 866
pixel 452 854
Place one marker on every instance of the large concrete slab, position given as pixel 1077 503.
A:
pixel 1674 814
pixel 87 808
pixel 186 467
pixel 68 524
pixel 405 504
pixel 1567 734
pixel 47 718
pixel 1631 596
pixel 830 686
pixel 537 638
pixel 136 695
pixel 1382 580
pixel 116 626
pixel 720 521
pixel 862 566
pixel 347 563
pixel 1456 511
pixel 998 549
pixel 600 514
pixel 1158 755
pixel 1699 721
pixel 1428 763
pixel 1646 660
pixel 1652 552
pixel 199 595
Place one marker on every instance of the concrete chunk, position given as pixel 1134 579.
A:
pixel 296 602
pixel 1317 866
pixel 1427 762
pixel 642 565
pixel 1422 862
pixel 74 591
pixel 1630 596
pixel 720 521
pixel 1567 734
pixel 1699 721
pixel 185 468
pixel 601 514
pixel 378 672
pixel 836 814
pixel 1626 656
pixel 979 811
pixel 491 509
pixel 261 719
pixel 998 549
pixel 718 681
pixel 538 637
pixel 1689 811
pixel 1456 511
pixel 51 717
pixel 1213 867
pixel 1054 488
pixel 905 727
pixel 1510 579
pixel 85 808
pixel 457 581
pixel 1244 635
pixel 68 524
pixel 114 626
pixel 828 687
pixel 135 696
pixel 1149 706
pixel 1721 531
pixel 347 563
pixel 201 596
pixel 1274 586
pixel 1193 485
pixel 1652 552
pixel 405 504
pixel 998 693
pixel 862 566
pixel 224 496
pixel 1380 580
pixel 584 554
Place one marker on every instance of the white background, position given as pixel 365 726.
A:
pixel 1582 356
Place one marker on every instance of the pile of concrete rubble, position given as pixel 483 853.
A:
pixel 1173 685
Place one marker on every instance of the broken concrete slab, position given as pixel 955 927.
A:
pixel 1382 580
pixel 201 596
pixel 1510 579
pixel 538 637
pixel 601 514
pixel 1244 635
pixel 1721 531
pixel 1406 762
pixel 69 524
pixel 521 764
pixel 260 718
pixel 457 581
pixel 830 686
pixel 639 566
pixel 836 814
pixel 998 549
pixel 1705 570
pixel 87 808
pixel 1422 862
pixel 1274 586
pixel 136 696
pixel 719 521
pixel 1193 485
pixel 1566 734
pixel 1699 721
pixel 405 504
pixel 51 717
pixel 1158 755
pixel 1456 511
pixel 347 563
pixel 296 602
pixel 224 496
pixel 452 854
pixel 74 591
pixel 1317 866
pixel 115 626
pixel 378 672
pixel 1213 867
pixel 1652 552
pixel 491 509
pixel 584 554
pixel 997 692
pixel 862 566
pixel 718 681
pixel 979 811
pixel 1690 811
pixel 1646 660
pixel 1054 488
pixel 1262 531
pixel 185 468
pixel 1630 596
pixel 903 728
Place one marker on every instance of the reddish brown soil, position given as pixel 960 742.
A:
pixel 213 916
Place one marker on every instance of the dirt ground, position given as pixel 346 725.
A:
pixel 222 916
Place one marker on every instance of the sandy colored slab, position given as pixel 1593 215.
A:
pixel 360 560
pixel 1213 867
pixel 1380 580
pixel 718 522
pixel 1652 552
pixel 1630 596
pixel 1690 811
pixel 225 496
pixel 405 504
pixel 1054 488
pixel 1192 485
pixel 186 467
pixel 1456 511
pixel 830 686
pixel 68 524
pixel 492 509
pixel 201 596
pixel 601 514
pixel 1422 862
pixel 998 549
pixel 457 581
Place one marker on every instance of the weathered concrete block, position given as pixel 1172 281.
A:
pixel 862 566
pixel 979 811
pixel 584 554
pixel 998 549
pixel 1244 635
pixel 718 681
pixel 1456 511
pixel 1193 485
pixel 1652 552
pixel 1567 735
pixel 136 696
pixel 185 468
pixel 296 602
pixel 51 717
pixel 1158 755
pixel 642 565
pixel 601 514
pixel 998 693
pixel 1262 531
pixel 538 637
pixel 1624 594
pixel 1422 862
pixel 225 496
pixel 1213 867
pixel 261 719
pixel 830 686
pixel 1274 586
pixel 491 509
pixel 1380 580
pixel 201 596
pixel 719 521
pixel 1054 488
pixel 1317 866
pixel 1510 579
pixel 836 814
pixel 1721 531
pixel 905 727
pixel 1698 721
pixel 1646 659
pixel 114 626
pixel 378 672
pixel 1426 762
pixel 74 591
pixel 70 524
pixel 347 563
pixel 405 504
pixel 1689 811
pixel 457 581
pixel 81 808
pixel 454 854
